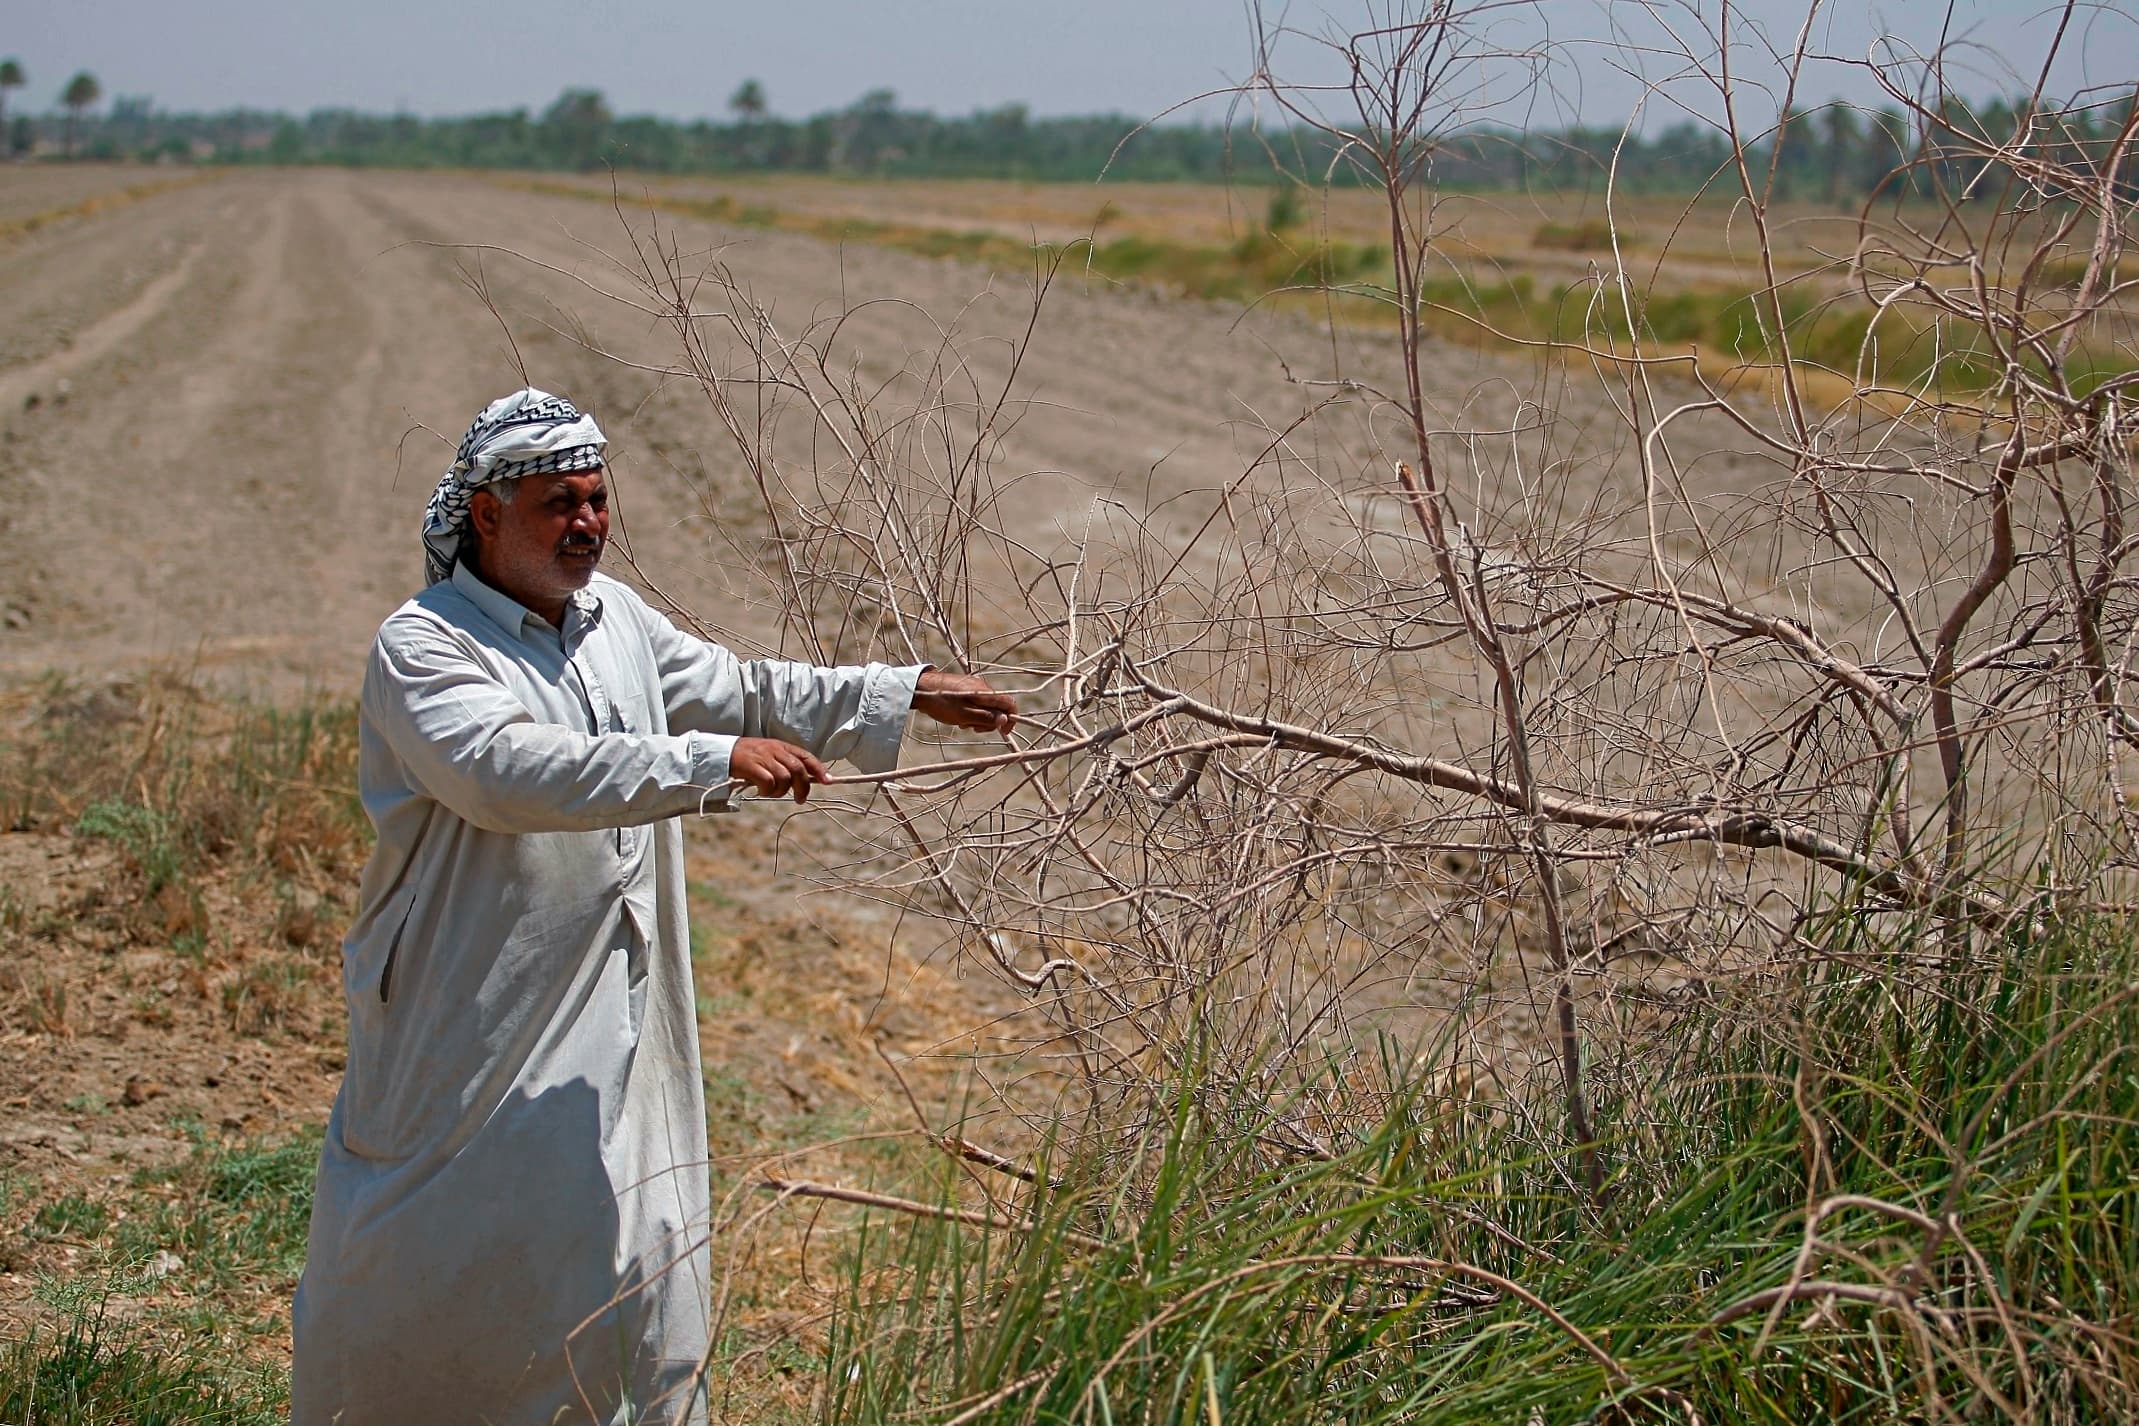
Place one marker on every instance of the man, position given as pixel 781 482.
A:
pixel 510 1219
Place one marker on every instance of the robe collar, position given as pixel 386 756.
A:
pixel 582 612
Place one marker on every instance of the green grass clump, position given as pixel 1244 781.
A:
pixel 73 1216
pixel 233 1212
pixel 93 1372
pixel 144 833
pixel 235 1217
pixel 1589 235
pixel 1865 1194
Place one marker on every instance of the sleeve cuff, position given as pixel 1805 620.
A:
pixel 709 770
pixel 887 702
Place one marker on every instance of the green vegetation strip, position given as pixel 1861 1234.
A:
pixel 1259 264
pixel 1726 331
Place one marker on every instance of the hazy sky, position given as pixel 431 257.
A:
pixel 684 59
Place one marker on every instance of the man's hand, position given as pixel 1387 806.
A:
pixel 775 768
pixel 964 701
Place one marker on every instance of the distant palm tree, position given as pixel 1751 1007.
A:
pixel 81 92
pixel 748 101
pixel 11 77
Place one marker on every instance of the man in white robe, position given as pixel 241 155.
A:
pixel 512 1205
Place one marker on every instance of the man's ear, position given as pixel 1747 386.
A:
pixel 485 510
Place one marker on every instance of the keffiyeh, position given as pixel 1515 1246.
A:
pixel 527 433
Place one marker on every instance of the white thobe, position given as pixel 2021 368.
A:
pixel 510 1219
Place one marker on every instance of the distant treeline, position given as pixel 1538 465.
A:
pixel 1831 153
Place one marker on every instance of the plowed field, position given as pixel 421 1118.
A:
pixel 222 406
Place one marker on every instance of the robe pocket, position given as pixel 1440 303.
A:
pixel 628 709
pixel 372 946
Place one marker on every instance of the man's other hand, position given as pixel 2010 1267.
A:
pixel 964 701
pixel 775 768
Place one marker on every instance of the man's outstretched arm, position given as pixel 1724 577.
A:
pixel 805 715
pixel 778 769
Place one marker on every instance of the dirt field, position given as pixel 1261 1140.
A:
pixel 216 402
pixel 224 405
pixel 54 191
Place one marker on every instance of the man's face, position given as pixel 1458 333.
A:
pixel 542 547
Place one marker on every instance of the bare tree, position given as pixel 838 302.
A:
pixel 1436 694
pixel 1497 716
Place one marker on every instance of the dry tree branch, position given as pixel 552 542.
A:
pixel 1521 689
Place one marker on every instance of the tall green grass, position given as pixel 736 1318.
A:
pixel 94 1371
pixel 1957 1149
pixel 1824 330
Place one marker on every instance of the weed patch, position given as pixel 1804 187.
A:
pixel 1853 1198
pixel 138 1328
pixel 145 834
pixel 71 1217
pixel 183 783
pixel 232 1213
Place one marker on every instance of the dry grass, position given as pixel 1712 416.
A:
pixel 35 198
pixel 175 863
pixel 182 781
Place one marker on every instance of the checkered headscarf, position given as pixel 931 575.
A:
pixel 527 433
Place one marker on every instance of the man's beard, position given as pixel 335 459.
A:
pixel 533 578
pixel 571 563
